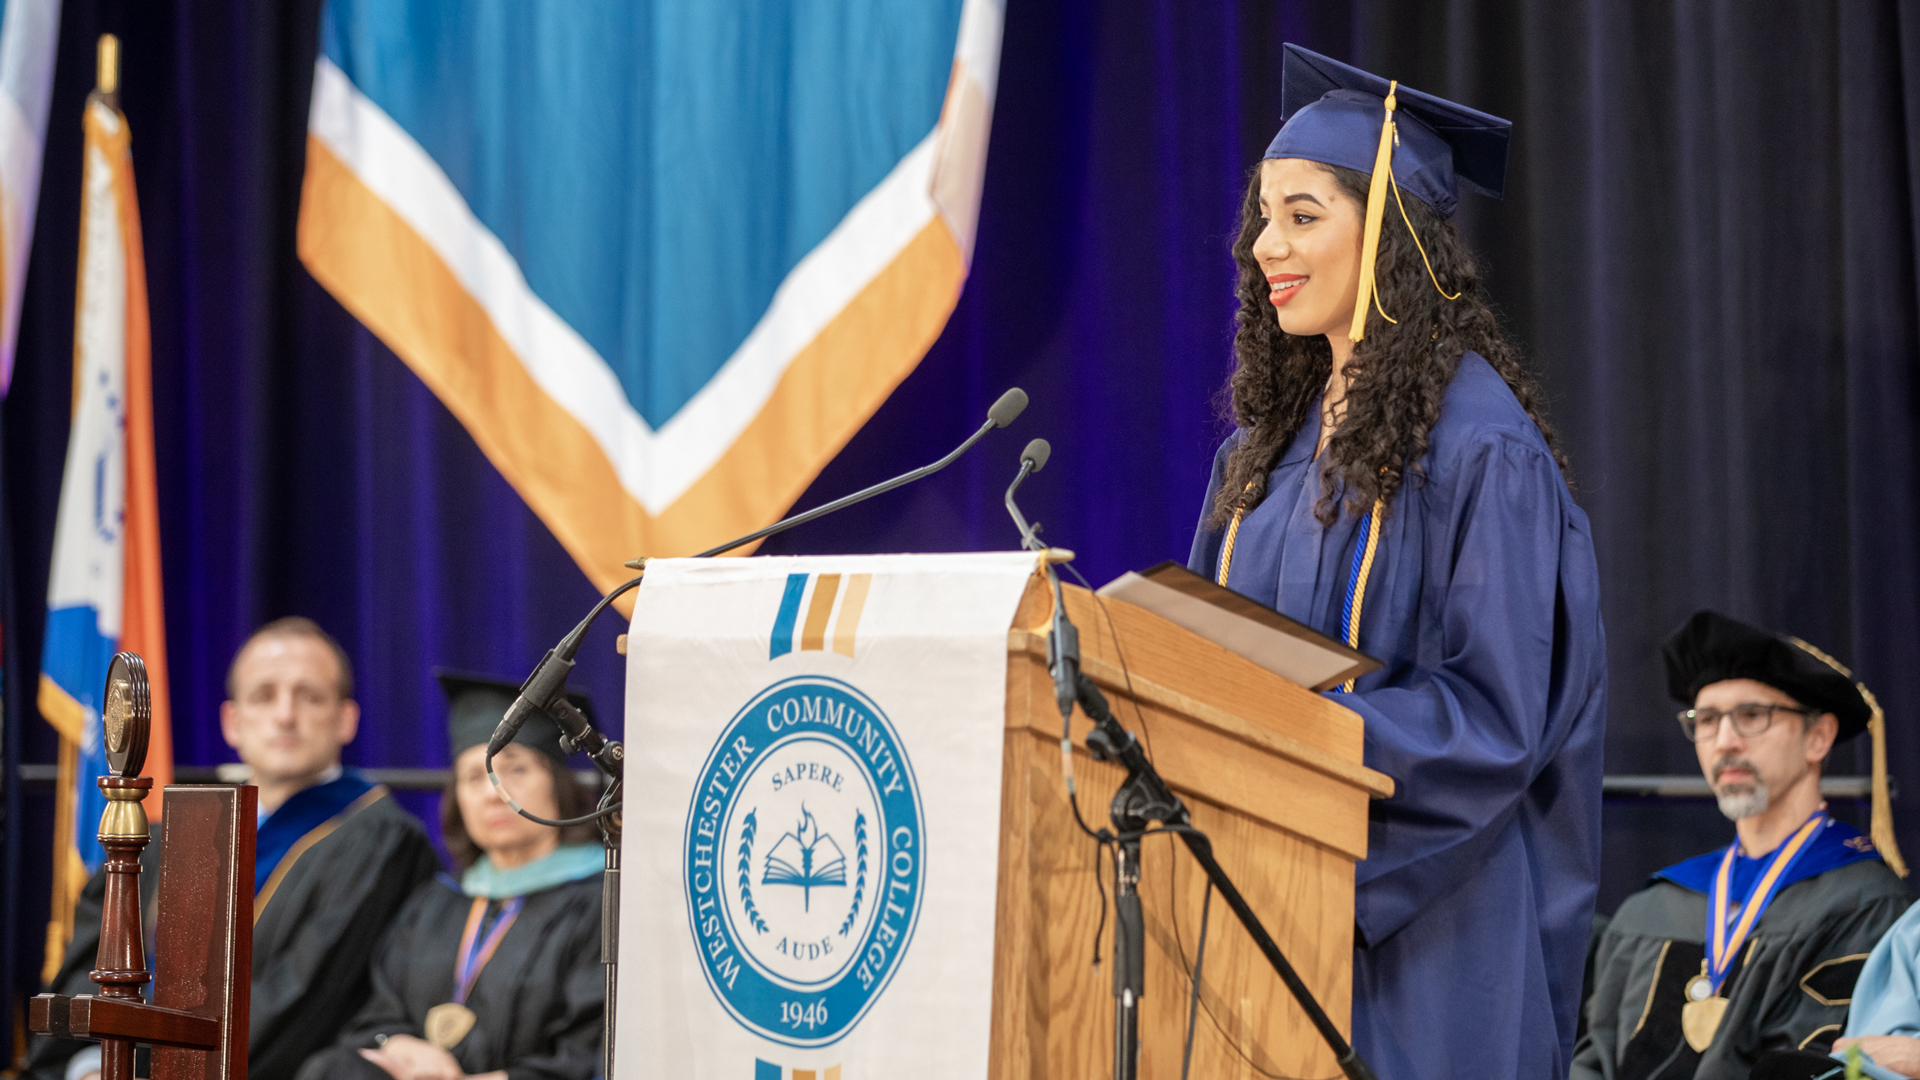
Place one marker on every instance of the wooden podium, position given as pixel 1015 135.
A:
pixel 1270 770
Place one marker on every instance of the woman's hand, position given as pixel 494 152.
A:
pixel 407 1058
pixel 1900 1053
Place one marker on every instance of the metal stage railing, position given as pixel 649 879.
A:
pixel 1613 787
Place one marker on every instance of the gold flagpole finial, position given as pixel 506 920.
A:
pixel 109 79
pixel 1376 209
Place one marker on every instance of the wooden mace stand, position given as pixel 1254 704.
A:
pixel 197 1024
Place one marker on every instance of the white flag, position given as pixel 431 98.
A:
pixel 29 33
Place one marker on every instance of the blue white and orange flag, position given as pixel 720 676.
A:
pixel 103 592
pixel 29 34
pixel 662 259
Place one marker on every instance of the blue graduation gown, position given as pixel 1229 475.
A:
pixel 1475 902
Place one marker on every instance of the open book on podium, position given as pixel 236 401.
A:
pixel 853 785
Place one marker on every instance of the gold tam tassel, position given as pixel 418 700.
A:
pixel 1376 210
pixel 1882 827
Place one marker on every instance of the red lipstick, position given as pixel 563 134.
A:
pixel 1283 287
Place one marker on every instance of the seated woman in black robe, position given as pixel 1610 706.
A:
pixel 496 975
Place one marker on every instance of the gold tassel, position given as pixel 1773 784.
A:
pixel 1376 210
pixel 1882 827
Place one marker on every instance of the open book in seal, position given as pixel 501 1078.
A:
pixel 1245 627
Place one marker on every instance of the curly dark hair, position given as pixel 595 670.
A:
pixel 1397 375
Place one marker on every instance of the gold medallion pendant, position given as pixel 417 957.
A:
pixel 448 1023
pixel 1699 1017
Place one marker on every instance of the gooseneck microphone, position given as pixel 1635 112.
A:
pixel 546 688
pixel 1004 411
pixel 1032 460
pixel 1063 640
pixel 1036 455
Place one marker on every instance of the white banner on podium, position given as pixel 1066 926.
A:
pixel 813 816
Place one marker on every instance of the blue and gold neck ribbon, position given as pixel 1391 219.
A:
pixel 1724 943
pixel 475 948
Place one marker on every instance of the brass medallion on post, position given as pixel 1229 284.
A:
pixel 126 718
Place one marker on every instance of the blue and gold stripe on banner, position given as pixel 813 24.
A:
pixel 824 627
pixel 767 1070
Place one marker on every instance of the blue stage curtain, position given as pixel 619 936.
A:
pixel 1708 251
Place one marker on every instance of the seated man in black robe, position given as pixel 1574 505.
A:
pixel 1754 947
pixel 335 858
pixel 498 974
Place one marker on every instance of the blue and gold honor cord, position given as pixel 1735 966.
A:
pixel 1366 546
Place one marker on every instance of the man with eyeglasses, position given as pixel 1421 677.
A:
pixel 1753 948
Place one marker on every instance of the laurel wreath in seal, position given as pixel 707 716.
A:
pixel 860 874
pixel 746 873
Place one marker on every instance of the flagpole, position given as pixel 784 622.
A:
pixel 104 590
pixel 66 889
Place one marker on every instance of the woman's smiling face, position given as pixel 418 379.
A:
pixel 1309 247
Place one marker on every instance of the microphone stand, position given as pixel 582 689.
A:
pixel 1143 798
pixel 1129 946
pixel 610 923
pixel 546 691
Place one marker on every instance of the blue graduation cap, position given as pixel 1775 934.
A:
pixel 1338 115
pixel 1333 113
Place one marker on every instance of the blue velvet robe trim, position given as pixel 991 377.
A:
pixel 1474 904
pixel 1830 849
pixel 300 815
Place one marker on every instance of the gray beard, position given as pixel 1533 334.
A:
pixel 1744 802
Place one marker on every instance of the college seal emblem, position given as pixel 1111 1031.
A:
pixel 804 860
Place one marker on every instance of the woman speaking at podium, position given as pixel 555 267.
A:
pixel 1392 483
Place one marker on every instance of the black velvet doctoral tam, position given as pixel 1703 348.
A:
pixel 1710 647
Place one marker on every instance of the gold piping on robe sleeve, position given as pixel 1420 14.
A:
pixel 1822 965
pixel 1835 1028
pixel 1651 987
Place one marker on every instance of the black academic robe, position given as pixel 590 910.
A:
pixel 312 940
pixel 538 1003
pixel 1789 988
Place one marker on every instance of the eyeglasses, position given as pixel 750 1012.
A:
pixel 1749 719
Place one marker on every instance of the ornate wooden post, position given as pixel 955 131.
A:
pixel 205 894
pixel 121 966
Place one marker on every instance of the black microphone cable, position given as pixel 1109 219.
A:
pixel 1063 663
